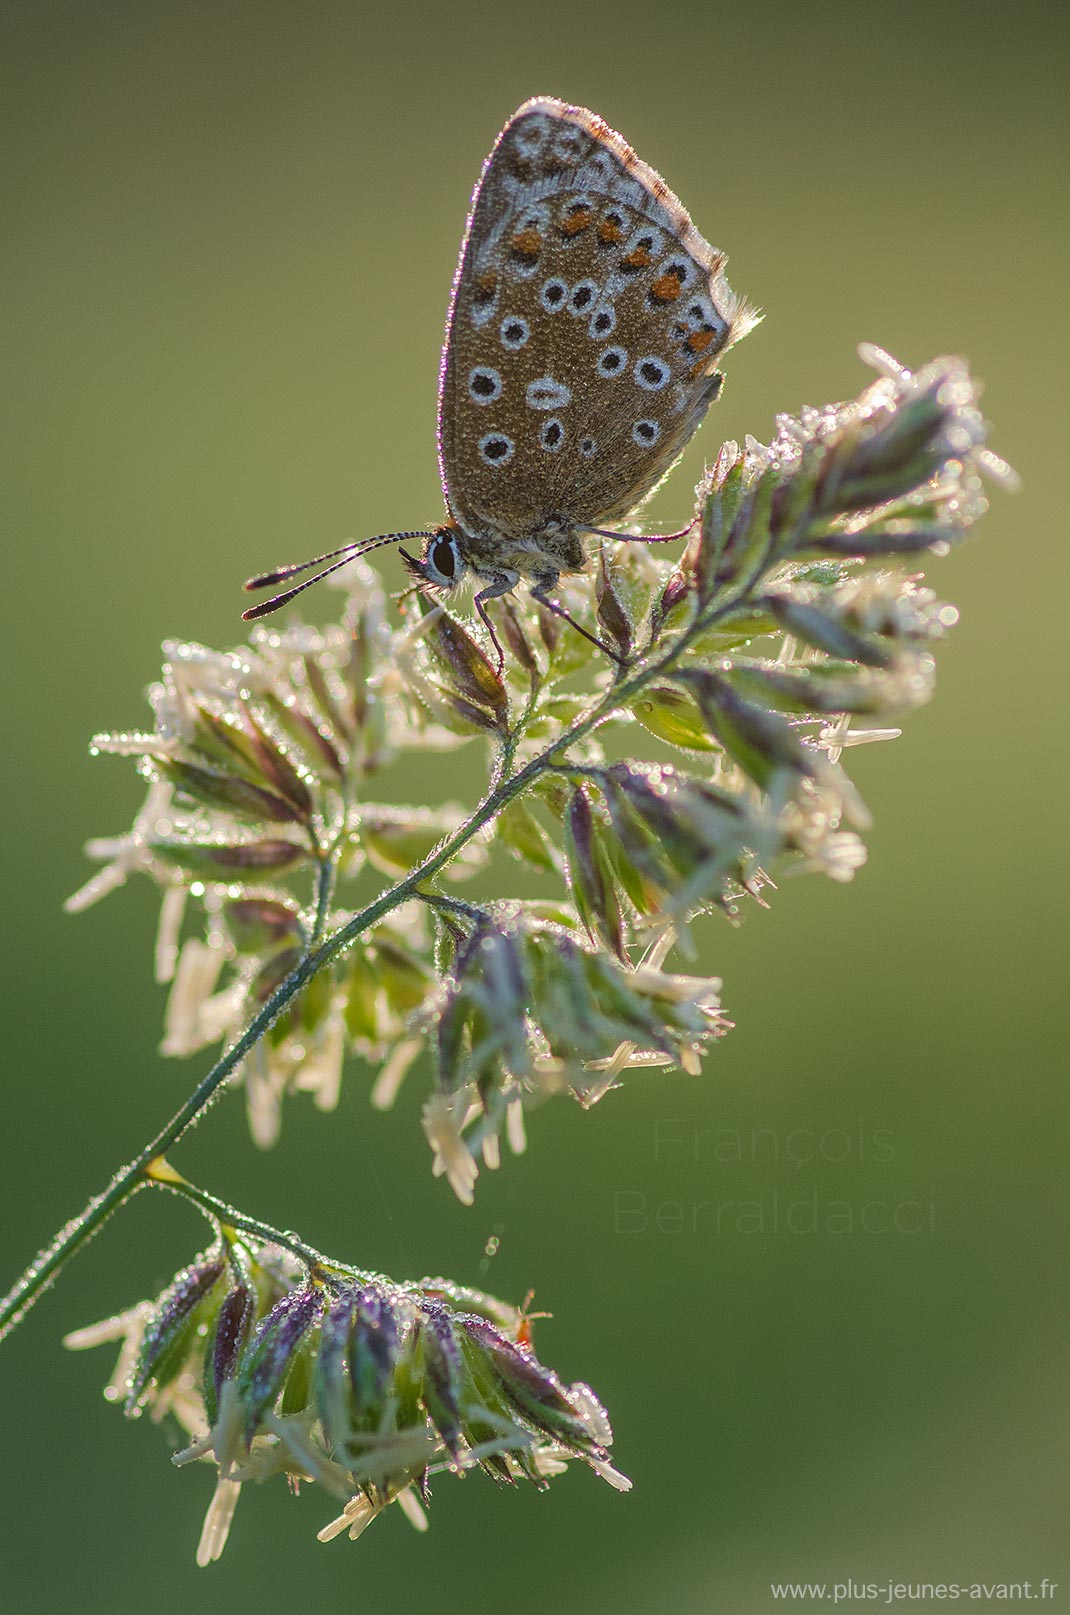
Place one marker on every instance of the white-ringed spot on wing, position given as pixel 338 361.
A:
pixel 646 433
pixel 514 332
pixel 604 165
pixel 546 393
pixel 569 145
pixel 645 238
pixel 527 242
pixel 639 251
pixel 553 294
pixel 611 228
pixel 682 268
pixel 576 218
pixel 484 296
pixel 603 322
pixel 484 384
pixel 524 257
pixel 671 277
pixel 552 435
pixel 651 373
pixel 584 295
pixel 530 136
pixel 612 362
pixel 587 447
pixel 496 449
pixel 701 315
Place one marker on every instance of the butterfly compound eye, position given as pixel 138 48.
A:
pixel 443 557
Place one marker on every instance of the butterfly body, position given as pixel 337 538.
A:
pixel 554 546
pixel 587 319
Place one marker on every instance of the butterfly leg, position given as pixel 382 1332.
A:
pixel 493 591
pixel 540 591
pixel 641 538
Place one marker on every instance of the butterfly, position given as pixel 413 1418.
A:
pixel 587 319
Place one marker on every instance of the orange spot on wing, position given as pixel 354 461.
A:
pixel 639 259
pixel 575 222
pixel 528 243
pixel 609 230
pixel 699 341
pixel 666 288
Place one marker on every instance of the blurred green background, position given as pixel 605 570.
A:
pixel 232 229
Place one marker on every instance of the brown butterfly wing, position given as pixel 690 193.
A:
pixel 587 318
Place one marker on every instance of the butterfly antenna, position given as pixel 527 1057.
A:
pixel 348 552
